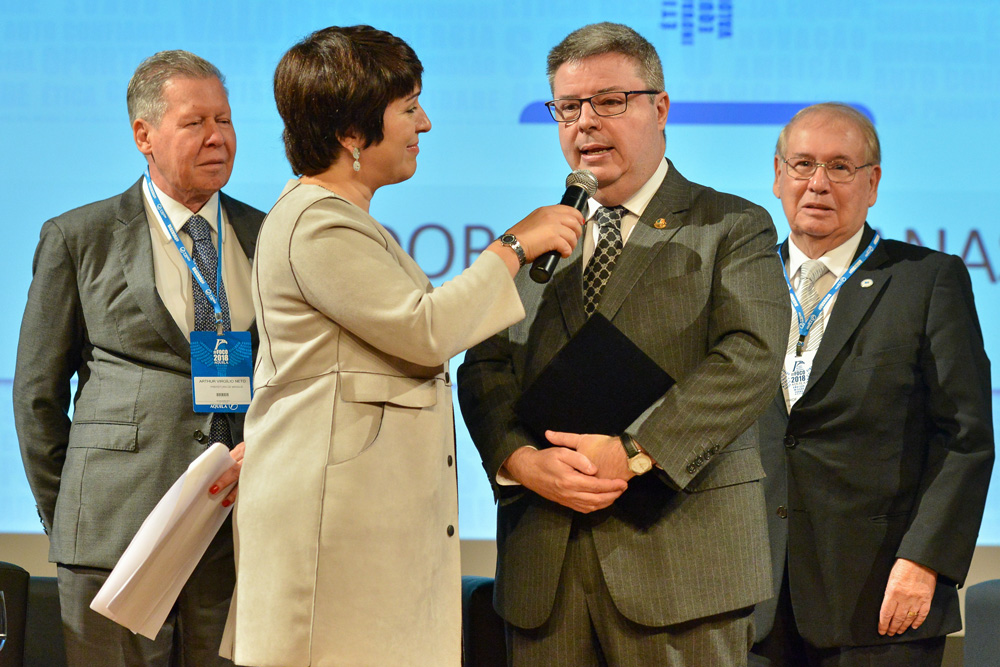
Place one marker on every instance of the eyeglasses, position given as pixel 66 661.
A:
pixel 838 171
pixel 568 109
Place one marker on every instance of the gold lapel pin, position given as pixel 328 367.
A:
pixel 660 224
pixel 867 282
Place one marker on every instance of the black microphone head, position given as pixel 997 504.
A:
pixel 583 178
pixel 580 187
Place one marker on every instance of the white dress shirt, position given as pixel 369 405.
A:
pixel 172 275
pixel 635 206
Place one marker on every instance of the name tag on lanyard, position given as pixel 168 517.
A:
pixel 221 367
pixel 797 370
pixel 221 361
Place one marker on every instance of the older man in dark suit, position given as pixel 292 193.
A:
pixel 113 303
pixel 647 546
pixel 878 446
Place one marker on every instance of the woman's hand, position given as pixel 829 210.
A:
pixel 230 476
pixel 556 227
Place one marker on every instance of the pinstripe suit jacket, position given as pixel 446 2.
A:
pixel 704 297
pixel 93 311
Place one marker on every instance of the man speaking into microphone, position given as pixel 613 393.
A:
pixel 645 545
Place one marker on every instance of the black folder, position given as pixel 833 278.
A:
pixel 599 382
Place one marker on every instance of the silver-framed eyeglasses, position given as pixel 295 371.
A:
pixel 615 103
pixel 838 171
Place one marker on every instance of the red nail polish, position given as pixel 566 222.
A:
pixel 226 503
pixel 214 490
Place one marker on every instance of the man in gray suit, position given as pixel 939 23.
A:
pixel 112 302
pixel 878 445
pixel 645 547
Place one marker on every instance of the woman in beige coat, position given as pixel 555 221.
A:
pixel 348 551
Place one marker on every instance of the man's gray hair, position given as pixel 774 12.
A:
pixel 873 149
pixel 599 38
pixel 145 89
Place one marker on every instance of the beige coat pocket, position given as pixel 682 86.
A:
pixel 360 409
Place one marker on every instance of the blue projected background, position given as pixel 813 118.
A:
pixel 736 70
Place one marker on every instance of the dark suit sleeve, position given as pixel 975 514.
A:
pixel 48 355
pixel 945 519
pixel 747 334
pixel 487 391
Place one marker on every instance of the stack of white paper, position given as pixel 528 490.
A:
pixel 151 573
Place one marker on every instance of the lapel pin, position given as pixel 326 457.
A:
pixel 867 282
pixel 660 224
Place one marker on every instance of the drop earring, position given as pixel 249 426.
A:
pixel 356 154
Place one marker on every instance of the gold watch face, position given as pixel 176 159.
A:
pixel 640 464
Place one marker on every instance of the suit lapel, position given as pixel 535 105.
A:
pixel 135 252
pixel 646 240
pixel 243 224
pixel 853 302
pixel 779 402
pixel 246 224
pixel 568 286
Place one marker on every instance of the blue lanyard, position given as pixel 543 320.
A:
pixel 805 324
pixel 186 256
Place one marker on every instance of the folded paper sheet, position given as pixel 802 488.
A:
pixel 157 563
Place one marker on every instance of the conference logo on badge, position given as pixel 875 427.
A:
pixel 221 353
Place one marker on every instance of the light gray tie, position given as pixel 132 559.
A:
pixel 811 271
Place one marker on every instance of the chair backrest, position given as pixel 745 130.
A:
pixel 982 624
pixel 14 584
pixel 482 628
pixel 43 640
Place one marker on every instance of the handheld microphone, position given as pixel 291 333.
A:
pixel 580 186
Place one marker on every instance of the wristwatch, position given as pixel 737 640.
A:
pixel 511 242
pixel 638 461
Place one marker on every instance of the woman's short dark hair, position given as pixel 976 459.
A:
pixel 337 81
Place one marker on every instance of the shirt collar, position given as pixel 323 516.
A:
pixel 637 203
pixel 178 212
pixel 837 261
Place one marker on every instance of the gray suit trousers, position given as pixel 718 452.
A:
pixel 587 630
pixel 188 638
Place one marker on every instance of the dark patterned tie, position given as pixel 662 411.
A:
pixel 609 246
pixel 206 259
